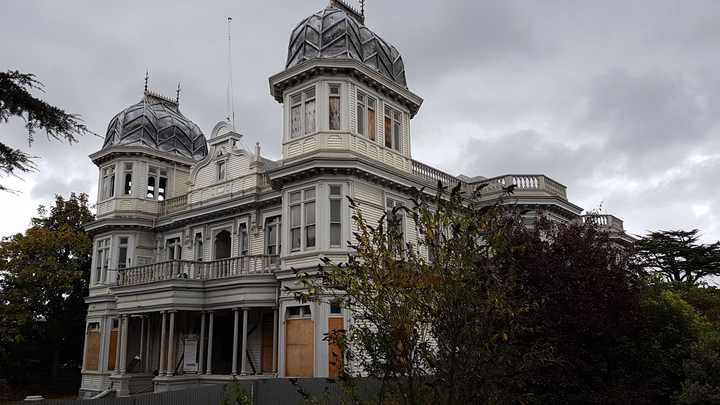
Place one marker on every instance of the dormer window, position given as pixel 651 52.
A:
pixel 334 107
pixel 366 116
pixel 108 182
pixel 302 113
pixel 157 184
pixel 393 129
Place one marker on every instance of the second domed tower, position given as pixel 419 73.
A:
pixel 344 91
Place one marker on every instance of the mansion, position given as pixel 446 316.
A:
pixel 195 238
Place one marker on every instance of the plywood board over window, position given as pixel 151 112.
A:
pixel 112 347
pixel 92 351
pixel 267 343
pixel 299 350
pixel 335 354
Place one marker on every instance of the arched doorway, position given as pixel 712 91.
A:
pixel 222 245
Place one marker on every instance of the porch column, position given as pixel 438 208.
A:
pixel 171 345
pixel 161 368
pixel 274 343
pixel 123 344
pixel 235 341
pixel 142 340
pixel 210 342
pixel 202 342
pixel 147 348
pixel 243 363
pixel 117 345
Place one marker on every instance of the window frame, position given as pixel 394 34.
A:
pixel 174 241
pixel 363 101
pixel 103 250
pixel 221 170
pixel 243 239
pixel 334 96
pixel 128 181
pixel 388 211
pixel 303 98
pixel 198 255
pixel 107 182
pixel 304 312
pixel 156 173
pixel 272 220
pixel 339 222
pixel 307 197
pixel 395 117
pixel 120 246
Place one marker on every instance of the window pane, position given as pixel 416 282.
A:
pixel 335 210
pixel 310 213
pixel 295 122
pixel 122 257
pixel 396 133
pixel 334 113
pixel 335 239
pixel 128 183
pixel 310 236
pixel 295 238
pixel 151 187
pixel 388 132
pixel 295 197
pixel 360 119
pixel 295 215
pixel 335 190
pixel 162 184
pixel 310 194
pixel 371 124
pixel 310 117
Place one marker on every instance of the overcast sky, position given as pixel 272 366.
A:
pixel 618 100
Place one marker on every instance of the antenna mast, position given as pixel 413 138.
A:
pixel 230 99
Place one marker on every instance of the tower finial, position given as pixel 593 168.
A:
pixel 147 76
pixel 177 95
pixel 362 8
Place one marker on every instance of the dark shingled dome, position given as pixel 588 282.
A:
pixel 338 33
pixel 156 122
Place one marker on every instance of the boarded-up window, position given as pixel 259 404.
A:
pixel 335 355
pixel 92 344
pixel 112 348
pixel 299 353
pixel 267 343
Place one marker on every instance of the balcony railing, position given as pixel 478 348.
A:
pixel 523 183
pixel 433 175
pixel 605 221
pixel 198 270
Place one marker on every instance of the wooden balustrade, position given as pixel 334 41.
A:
pixel 174 204
pixel 433 175
pixel 198 270
pixel 605 221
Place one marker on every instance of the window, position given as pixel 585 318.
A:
pixel 272 236
pixel 122 253
pixel 335 196
pixel 243 234
pixel 157 184
pixel 127 179
pixel 221 170
pixel 93 326
pixel 335 308
pixel 334 107
pixel 395 218
pixel 302 217
pixel 393 131
pixel 108 182
pixel 174 249
pixel 302 113
pixel 103 258
pixel 366 116
pixel 198 246
pixel 302 311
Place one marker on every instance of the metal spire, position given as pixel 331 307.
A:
pixel 362 8
pixel 230 99
pixel 147 76
pixel 177 95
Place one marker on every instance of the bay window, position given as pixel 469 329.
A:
pixel 335 196
pixel 334 107
pixel 366 116
pixel 108 182
pixel 393 129
pixel 302 113
pixel 302 219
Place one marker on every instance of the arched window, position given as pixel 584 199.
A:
pixel 222 245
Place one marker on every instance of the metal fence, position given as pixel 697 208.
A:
pixel 210 395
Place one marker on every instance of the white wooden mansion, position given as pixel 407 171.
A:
pixel 194 238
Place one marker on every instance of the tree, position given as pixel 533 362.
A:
pixel 17 101
pixel 678 257
pixel 44 275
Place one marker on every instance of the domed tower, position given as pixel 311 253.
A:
pixel 344 91
pixel 145 160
